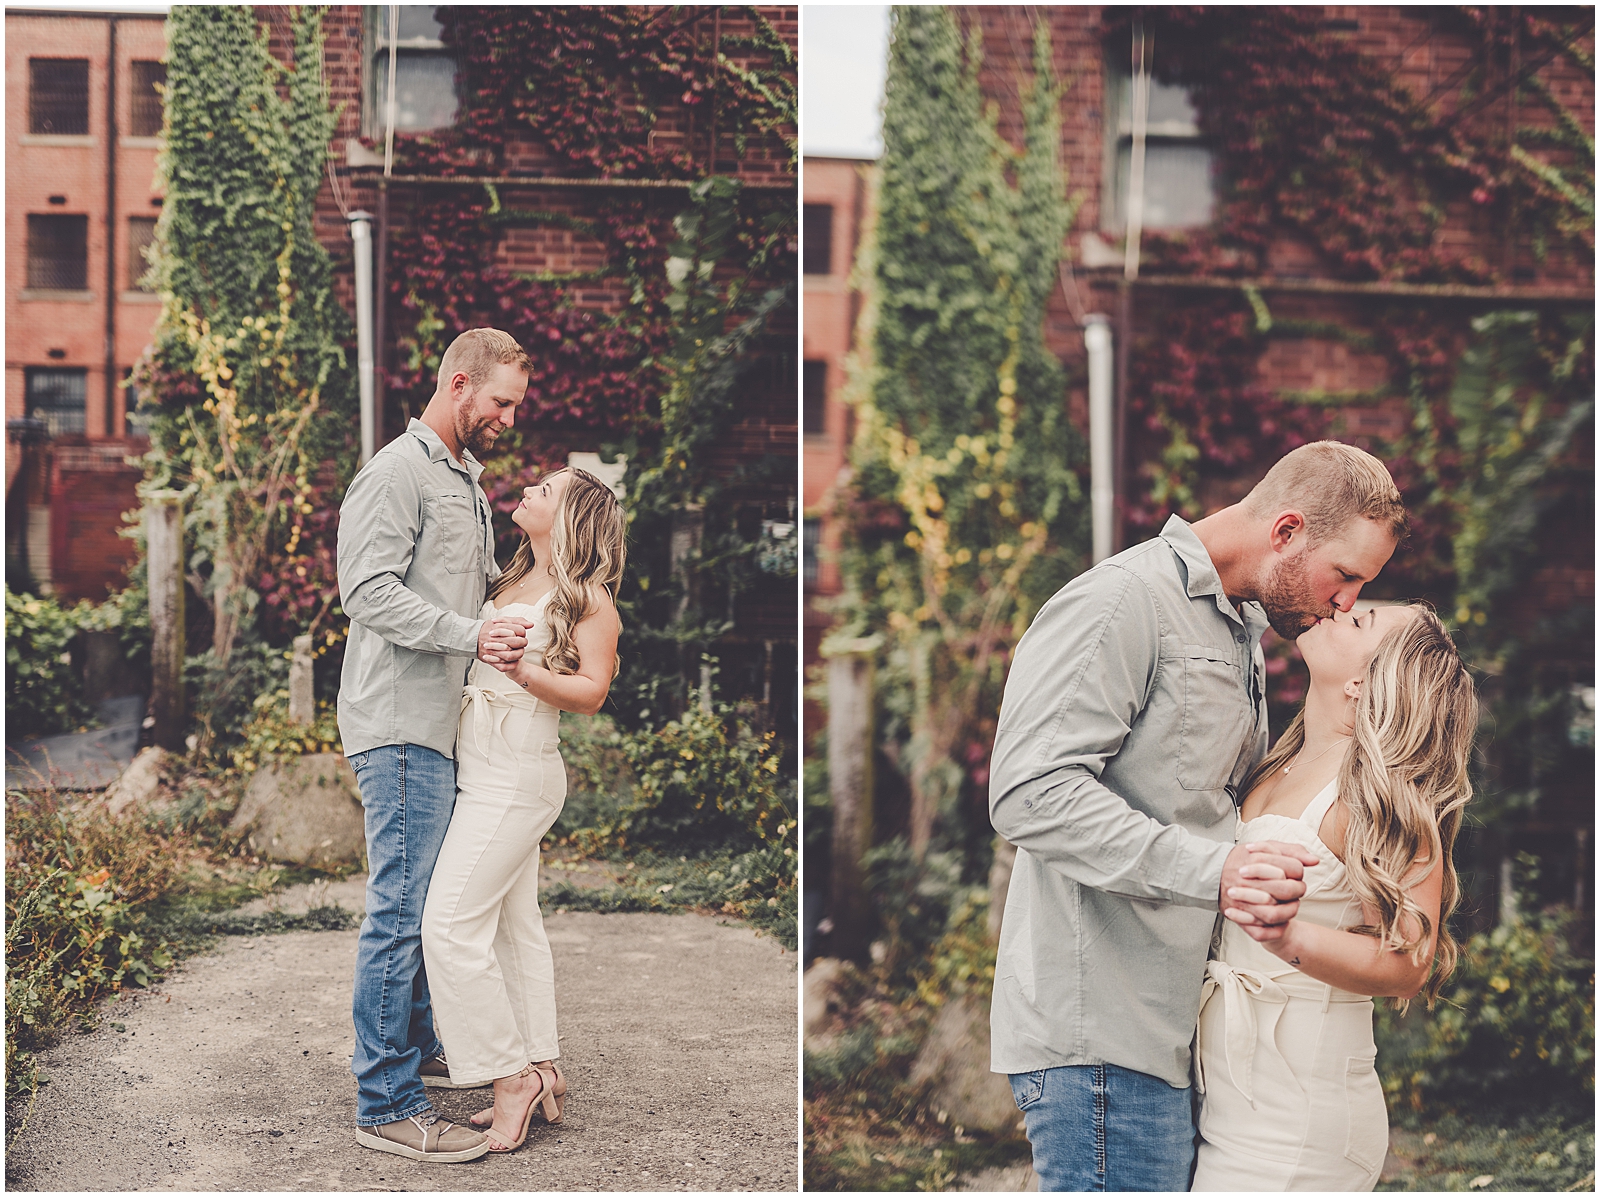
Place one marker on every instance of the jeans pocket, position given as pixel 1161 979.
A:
pixel 1027 1088
pixel 358 761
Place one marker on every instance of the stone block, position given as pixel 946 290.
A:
pixel 139 783
pixel 954 1064
pixel 304 810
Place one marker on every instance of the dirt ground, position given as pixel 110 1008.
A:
pixel 679 1039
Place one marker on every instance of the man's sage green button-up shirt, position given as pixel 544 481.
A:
pixel 1134 708
pixel 416 555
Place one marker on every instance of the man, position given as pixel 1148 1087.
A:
pixel 1134 708
pixel 416 554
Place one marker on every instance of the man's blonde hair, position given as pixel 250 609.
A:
pixel 1331 484
pixel 477 352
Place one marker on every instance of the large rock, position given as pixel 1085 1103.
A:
pixel 140 783
pixel 954 1063
pixel 305 810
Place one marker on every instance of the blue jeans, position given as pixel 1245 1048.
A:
pixel 408 792
pixel 1098 1128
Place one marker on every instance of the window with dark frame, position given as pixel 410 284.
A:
pixel 1179 183
pixel 57 397
pixel 148 78
pixel 58 96
pixel 814 409
pixel 58 253
pixel 141 232
pixel 810 566
pixel 424 75
pixel 818 232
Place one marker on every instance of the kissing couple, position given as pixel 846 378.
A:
pixel 1196 926
pixel 455 677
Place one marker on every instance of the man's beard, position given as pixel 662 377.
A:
pixel 477 438
pixel 1289 602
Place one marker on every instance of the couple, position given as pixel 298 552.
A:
pixel 460 782
pixel 1129 773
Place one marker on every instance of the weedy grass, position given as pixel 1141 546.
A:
pixel 1551 1152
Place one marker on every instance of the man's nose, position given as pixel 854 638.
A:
pixel 1344 600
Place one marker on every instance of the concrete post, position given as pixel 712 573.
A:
pixel 850 749
pixel 164 540
pixel 302 694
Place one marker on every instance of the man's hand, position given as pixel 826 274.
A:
pixel 1262 884
pixel 501 641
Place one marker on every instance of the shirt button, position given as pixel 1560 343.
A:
pixel 1240 639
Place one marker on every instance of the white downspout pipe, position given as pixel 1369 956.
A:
pixel 1102 431
pixel 361 235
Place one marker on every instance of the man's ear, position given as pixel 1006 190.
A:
pixel 460 384
pixel 1288 530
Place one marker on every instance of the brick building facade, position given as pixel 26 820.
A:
pixel 1365 397
pixel 62 327
pixel 82 124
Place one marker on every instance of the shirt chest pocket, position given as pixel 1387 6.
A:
pixel 1216 718
pixel 451 531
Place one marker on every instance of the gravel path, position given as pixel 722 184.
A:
pixel 679 1039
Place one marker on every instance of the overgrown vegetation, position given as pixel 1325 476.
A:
pixel 965 509
pixel 44 666
pixel 248 388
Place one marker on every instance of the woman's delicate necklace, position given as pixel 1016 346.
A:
pixel 1323 753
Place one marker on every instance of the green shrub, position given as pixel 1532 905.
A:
pixel 271 734
pixel 77 884
pixel 1514 1026
pixel 44 684
pixel 913 904
pixel 44 691
pixel 707 780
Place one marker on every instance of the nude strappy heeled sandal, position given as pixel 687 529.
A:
pixel 545 1098
pixel 558 1092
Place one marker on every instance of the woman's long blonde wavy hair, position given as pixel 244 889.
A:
pixel 1404 784
pixel 588 549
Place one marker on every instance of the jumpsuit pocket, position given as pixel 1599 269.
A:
pixel 1367 1141
pixel 1215 718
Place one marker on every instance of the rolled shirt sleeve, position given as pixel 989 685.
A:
pixel 379 528
pixel 1082 677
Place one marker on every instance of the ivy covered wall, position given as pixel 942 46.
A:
pixel 675 128
pixel 1400 255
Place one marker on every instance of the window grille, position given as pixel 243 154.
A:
pixel 425 72
pixel 141 232
pixel 146 99
pixel 1179 183
pixel 58 95
pixel 818 230
pixel 58 253
pixel 57 398
pixel 815 410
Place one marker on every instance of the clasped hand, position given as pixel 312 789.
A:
pixel 1262 884
pixel 501 641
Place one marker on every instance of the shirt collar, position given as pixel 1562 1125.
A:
pixel 437 451
pixel 1201 577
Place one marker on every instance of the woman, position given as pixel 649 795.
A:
pixel 1371 777
pixel 483 939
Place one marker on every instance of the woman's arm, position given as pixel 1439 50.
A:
pixel 582 692
pixel 1358 963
